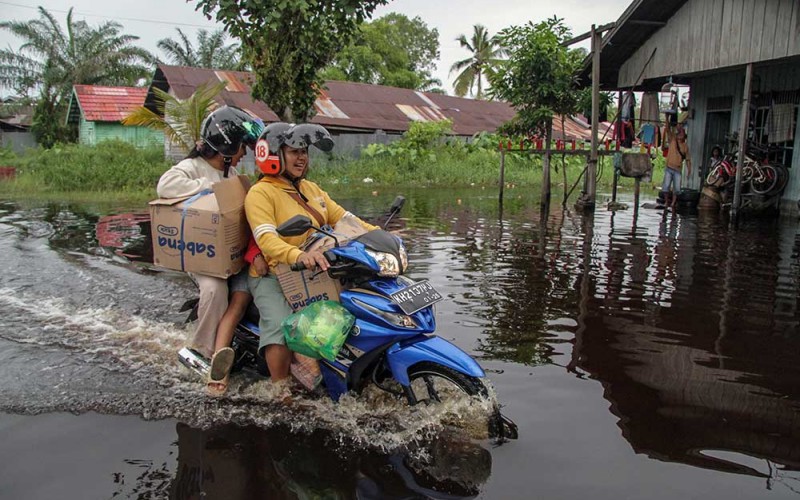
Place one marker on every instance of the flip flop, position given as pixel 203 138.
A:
pixel 220 371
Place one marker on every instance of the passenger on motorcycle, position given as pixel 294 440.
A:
pixel 283 192
pixel 226 133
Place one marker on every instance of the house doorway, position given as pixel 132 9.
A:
pixel 718 124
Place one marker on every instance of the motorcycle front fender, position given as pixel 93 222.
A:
pixel 433 349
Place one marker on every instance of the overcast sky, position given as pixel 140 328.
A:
pixel 153 20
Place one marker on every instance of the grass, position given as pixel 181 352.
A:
pixel 447 168
pixel 112 168
pixel 115 170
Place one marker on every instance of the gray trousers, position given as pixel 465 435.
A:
pixel 272 307
pixel 212 306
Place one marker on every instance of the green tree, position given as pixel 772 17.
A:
pixel 392 50
pixel 538 79
pixel 179 120
pixel 51 60
pixel 211 51
pixel 486 57
pixel 287 43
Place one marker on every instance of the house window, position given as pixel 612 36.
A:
pixel 780 152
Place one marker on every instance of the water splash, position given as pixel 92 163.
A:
pixel 127 364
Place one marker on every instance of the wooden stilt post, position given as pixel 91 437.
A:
pixel 502 172
pixel 591 174
pixel 745 119
pixel 546 166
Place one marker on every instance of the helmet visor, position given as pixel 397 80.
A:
pixel 252 129
pixel 307 134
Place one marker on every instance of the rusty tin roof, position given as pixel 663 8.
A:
pixel 108 104
pixel 355 106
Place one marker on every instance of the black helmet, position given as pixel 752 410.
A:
pixel 227 128
pixel 268 155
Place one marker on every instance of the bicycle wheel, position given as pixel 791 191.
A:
pixel 765 180
pixel 783 176
pixel 714 177
pixel 747 173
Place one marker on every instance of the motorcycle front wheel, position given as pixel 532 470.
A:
pixel 433 383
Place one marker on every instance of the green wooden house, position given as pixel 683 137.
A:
pixel 98 112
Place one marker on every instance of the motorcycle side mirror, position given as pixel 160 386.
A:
pixel 295 226
pixel 397 204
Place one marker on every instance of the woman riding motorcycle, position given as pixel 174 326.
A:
pixel 283 192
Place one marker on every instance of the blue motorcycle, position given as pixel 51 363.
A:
pixel 392 343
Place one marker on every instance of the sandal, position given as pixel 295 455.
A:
pixel 220 371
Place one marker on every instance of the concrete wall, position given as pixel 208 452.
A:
pixel 351 144
pixel 17 141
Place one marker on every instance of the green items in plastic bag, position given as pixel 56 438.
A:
pixel 318 330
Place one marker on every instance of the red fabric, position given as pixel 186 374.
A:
pixel 252 250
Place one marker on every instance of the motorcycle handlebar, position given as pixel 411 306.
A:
pixel 299 266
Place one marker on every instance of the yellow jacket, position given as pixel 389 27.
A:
pixel 268 205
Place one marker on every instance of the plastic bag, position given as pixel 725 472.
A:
pixel 318 330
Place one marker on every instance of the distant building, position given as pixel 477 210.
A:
pixel 99 110
pixel 15 126
pixel 357 114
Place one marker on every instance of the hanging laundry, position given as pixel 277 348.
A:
pixel 647 134
pixel 649 112
pixel 780 124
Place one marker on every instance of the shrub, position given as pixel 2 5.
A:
pixel 110 165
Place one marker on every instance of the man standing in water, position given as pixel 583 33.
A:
pixel 678 152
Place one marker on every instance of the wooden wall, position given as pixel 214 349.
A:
pixel 92 133
pixel 707 35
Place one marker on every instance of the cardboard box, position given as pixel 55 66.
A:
pixel 204 234
pixel 302 288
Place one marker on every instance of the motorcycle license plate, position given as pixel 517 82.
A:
pixel 417 296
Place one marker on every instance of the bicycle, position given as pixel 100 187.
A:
pixel 724 171
pixel 762 177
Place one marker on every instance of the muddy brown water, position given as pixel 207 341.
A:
pixel 642 354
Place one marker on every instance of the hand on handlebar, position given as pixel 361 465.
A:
pixel 313 259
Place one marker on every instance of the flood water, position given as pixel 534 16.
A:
pixel 643 355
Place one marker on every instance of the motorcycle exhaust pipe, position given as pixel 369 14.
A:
pixel 192 360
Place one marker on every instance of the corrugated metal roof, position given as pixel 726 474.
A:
pixel 108 104
pixel 640 20
pixel 16 117
pixel 355 106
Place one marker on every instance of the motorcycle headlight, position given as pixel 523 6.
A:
pixel 389 267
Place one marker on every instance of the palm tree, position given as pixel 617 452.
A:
pixel 50 61
pixel 211 50
pixel 486 54
pixel 180 120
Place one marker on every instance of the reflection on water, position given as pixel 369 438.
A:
pixel 698 350
pixel 234 462
pixel 686 326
